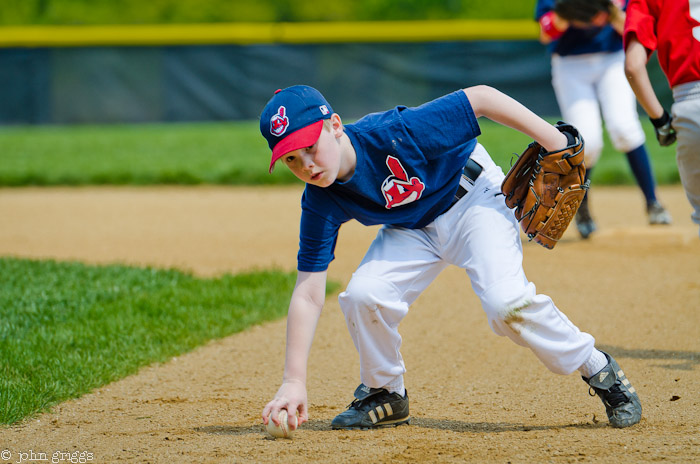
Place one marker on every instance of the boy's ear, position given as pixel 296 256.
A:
pixel 336 125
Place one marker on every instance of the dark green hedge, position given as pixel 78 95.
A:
pixel 20 12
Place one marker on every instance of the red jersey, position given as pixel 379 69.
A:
pixel 672 28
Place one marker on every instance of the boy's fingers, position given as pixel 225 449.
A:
pixel 303 414
pixel 266 414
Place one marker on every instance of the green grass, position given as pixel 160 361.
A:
pixel 232 153
pixel 195 153
pixel 67 328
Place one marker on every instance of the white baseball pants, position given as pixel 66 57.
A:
pixel 686 121
pixel 479 234
pixel 586 85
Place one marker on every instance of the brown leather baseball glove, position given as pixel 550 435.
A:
pixel 546 188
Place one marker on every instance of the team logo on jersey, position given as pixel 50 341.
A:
pixel 398 189
pixel 279 122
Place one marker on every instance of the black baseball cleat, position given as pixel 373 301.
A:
pixel 373 408
pixel 584 222
pixel 619 397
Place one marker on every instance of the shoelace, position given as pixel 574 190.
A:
pixel 615 396
pixel 367 403
pixel 359 404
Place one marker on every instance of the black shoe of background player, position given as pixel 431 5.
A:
pixel 584 222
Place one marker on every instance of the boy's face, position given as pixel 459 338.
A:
pixel 320 163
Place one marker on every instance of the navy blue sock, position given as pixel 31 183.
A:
pixel 589 171
pixel 641 168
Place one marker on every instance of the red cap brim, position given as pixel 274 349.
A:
pixel 304 137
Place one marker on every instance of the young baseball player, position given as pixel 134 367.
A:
pixel 420 172
pixel 673 29
pixel 588 79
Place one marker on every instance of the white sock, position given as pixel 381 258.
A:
pixel 595 364
pixel 396 386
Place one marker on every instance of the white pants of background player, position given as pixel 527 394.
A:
pixel 479 234
pixel 686 121
pixel 590 84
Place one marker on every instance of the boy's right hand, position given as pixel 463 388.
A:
pixel 292 397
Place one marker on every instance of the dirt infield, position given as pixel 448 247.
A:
pixel 475 397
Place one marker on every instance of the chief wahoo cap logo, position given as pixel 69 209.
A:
pixel 279 122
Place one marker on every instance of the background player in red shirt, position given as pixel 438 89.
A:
pixel 673 30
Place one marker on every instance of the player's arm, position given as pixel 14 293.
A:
pixel 552 26
pixel 636 71
pixel 304 311
pixel 499 107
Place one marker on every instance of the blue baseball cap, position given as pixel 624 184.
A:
pixel 293 119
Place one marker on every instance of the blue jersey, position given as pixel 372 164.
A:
pixel 409 162
pixel 577 41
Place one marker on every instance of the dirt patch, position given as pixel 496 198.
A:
pixel 475 397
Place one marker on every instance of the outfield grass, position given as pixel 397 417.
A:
pixel 67 328
pixel 195 153
pixel 231 153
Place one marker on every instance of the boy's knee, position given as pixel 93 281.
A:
pixel 505 295
pixel 503 301
pixel 366 292
pixel 626 139
pixel 593 150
